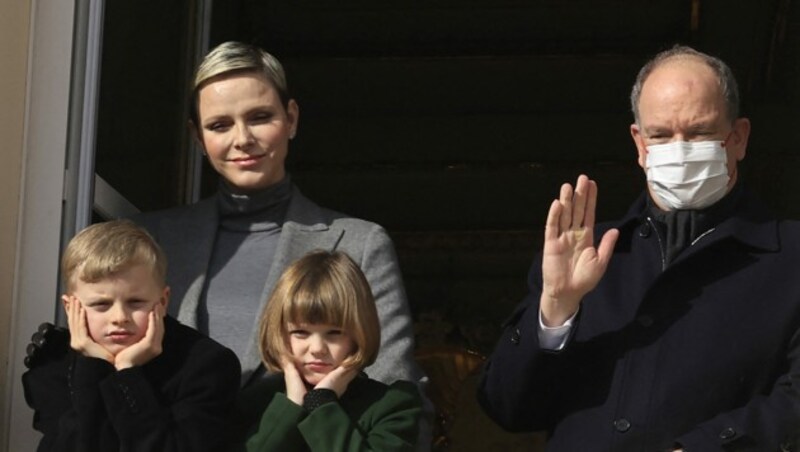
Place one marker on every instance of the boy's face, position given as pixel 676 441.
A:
pixel 117 307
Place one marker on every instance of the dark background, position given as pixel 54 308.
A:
pixel 450 122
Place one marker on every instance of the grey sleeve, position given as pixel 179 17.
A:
pixel 396 356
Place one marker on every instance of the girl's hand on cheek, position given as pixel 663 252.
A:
pixel 80 339
pixel 295 385
pixel 338 380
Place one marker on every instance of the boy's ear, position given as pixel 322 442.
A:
pixel 165 298
pixel 65 301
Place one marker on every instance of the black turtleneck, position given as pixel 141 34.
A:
pixel 247 237
pixel 681 228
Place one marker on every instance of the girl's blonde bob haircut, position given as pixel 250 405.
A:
pixel 321 287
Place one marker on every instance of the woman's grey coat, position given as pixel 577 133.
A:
pixel 187 236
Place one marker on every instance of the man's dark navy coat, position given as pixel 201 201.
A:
pixel 703 354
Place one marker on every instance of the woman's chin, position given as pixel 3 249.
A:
pixel 244 183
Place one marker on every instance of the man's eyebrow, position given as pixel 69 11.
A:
pixel 702 127
pixel 653 130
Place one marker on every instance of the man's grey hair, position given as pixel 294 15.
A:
pixel 727 82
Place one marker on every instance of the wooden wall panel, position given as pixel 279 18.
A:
pixel 462 85
pixel 486 140
pixel 463 27
pixel 464 200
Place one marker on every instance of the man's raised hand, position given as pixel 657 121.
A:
pixel 571 265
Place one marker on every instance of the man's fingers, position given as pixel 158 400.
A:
pixel 606 247
pixel 551 227
pixel 579 201
pixel 591 205
pixel 565 219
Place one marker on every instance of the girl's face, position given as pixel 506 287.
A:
pixel 318 348
pixel 245 130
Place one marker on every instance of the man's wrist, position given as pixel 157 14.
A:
pixel 555 312
pixel 554 338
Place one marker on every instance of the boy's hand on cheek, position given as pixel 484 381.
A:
pixel 338 380
pixel 80 339
pixel 149 347
pixel 295 386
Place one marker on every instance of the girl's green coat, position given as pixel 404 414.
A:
pixel 369 416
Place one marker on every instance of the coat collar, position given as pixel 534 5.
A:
pixel 195 233
pixel 752 224
pixel 306 227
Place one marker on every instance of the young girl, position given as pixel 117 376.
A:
pixel 320 329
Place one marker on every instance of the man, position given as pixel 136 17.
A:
pixel 679 329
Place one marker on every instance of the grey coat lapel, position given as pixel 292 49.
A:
pixel 192 236
pixel 307 227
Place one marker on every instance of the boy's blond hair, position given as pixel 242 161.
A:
pixel 105 249
pixel 321 287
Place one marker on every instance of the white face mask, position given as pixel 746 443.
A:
pixel 687 174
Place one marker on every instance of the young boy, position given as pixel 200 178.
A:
pixel 131 379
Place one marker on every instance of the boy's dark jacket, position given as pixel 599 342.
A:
pixel 181 400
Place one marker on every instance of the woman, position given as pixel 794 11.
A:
pixel 226 252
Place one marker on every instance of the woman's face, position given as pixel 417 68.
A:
pixel 245 130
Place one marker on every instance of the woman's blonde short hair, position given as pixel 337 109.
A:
pixel 233 56
pixel 321 287
pixel 105 249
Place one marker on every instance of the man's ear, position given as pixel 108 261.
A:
pixel 737 143
pixel 638 140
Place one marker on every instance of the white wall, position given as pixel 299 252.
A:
pixel 14 30
pixel 40 44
